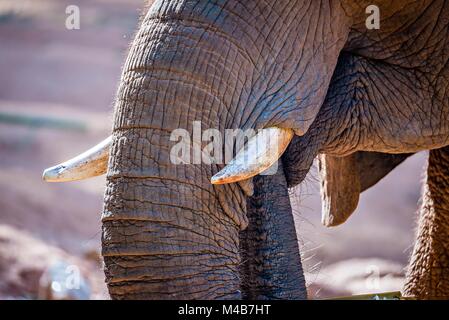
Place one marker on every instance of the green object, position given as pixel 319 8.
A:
pixel 42 122
pixel 393 295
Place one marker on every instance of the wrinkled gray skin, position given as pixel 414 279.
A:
pixel 307 65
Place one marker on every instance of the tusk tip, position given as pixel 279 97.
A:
pixel 91 163
pixel 260 153
pixel 224 177
pixel 53 174
pixel 216 180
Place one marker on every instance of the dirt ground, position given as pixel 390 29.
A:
pixel 71 76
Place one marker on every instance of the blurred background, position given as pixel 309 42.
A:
pixel 57 90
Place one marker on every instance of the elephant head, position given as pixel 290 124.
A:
pixel 307 72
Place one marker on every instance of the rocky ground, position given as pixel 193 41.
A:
pixel 53 74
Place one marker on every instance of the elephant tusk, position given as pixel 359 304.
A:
pixel 89 164
pixel 260 153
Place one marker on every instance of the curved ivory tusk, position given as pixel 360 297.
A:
pixel 261 151
pixel 93 162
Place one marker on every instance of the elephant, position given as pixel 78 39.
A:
pixel 315 79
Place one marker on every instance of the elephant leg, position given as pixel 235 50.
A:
pixel 271 267
pixel 428 274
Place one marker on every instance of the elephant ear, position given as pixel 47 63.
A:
pixel 344 178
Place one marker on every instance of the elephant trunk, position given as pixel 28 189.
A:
pixel 167 232
pixel 158 245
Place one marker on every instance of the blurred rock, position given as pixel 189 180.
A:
pixel 27 265
pixel 63 281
